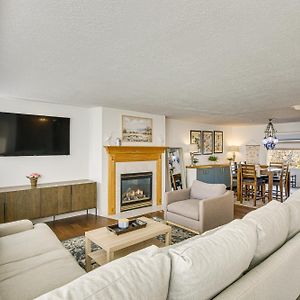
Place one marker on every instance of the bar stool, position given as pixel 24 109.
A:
pixel 281 184
pixel 233 176
pixel 252 187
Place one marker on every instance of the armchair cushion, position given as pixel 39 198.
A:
pixel 187 208
pixel 201 190
pixel 15 227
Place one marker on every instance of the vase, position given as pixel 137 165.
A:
pixel 33 182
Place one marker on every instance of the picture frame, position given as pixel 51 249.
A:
pixel 207 142
pixel 194 136
pixel 137 129
pixel 218 141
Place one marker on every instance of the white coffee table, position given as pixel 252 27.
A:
pixel 115 246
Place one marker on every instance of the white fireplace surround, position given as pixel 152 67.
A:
pixel 134 167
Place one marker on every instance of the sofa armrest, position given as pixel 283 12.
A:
pixel 217 211
pixel 179 195
pixel 15 227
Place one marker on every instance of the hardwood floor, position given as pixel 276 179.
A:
pixel 75 226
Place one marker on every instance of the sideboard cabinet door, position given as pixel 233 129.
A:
pixel 55 200
pixel 64 199
pixel 49 203
pixel 23 205
pixel 83 196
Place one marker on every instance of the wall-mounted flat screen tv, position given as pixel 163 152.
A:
pixel 28 135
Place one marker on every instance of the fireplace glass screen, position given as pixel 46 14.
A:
pixel 136 190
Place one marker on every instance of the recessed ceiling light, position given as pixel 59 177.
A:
pixel 296 107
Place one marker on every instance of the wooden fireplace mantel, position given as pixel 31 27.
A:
pixel 129 154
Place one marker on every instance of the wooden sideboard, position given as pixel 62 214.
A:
pixel 24 202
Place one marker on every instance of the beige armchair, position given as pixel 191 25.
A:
pixel 198 215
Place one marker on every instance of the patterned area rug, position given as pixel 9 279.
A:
pixel 76 246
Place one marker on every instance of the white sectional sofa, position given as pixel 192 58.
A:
pixel 32 261
pixel 253 258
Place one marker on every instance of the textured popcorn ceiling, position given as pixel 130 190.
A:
pixel 219 61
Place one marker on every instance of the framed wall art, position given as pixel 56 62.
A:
pixel 195 137
pixel 207 142
pixel 136 129
pixel 218 141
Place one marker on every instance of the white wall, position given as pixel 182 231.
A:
pixel 178 135
pixel 13 170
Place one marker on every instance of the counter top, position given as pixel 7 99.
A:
pixel 208 166
pixel 43 185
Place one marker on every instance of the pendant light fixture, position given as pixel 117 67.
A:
pixel 270 140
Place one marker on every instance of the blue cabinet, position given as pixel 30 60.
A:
pixel 214 175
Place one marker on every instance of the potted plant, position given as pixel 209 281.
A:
pixel 213 158
pixel 33 177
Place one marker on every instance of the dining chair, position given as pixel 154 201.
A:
pixel 281 184
pixel 252 187
pixel 264 175
pixel 233 176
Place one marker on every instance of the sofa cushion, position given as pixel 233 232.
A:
pixel 295 195
pixel 201 190
pixel 207 265
pixel 140 275
pixel 272 223
pixel 34 276
pixel 15 227
pixel 276 278
pixel 28 243
pixel 294 211
pixel 187 208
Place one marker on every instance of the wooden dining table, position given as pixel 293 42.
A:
pixel 271 172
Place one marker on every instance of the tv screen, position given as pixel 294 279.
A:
pixel 26 135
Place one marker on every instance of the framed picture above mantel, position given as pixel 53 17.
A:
pixel 136 129
pixel 218 141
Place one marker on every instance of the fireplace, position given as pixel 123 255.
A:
pixel 136 190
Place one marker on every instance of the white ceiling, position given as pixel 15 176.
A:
pixel 218 61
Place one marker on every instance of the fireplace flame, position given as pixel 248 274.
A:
pixel 132 194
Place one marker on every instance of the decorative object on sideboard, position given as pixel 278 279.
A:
pixel 233 149
pixel 193 148
pixel 136 129
pixel 33 177
pixel 270 140
pixel 213 158
pixel 207 142
pixel 218 141
pixel 118 142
